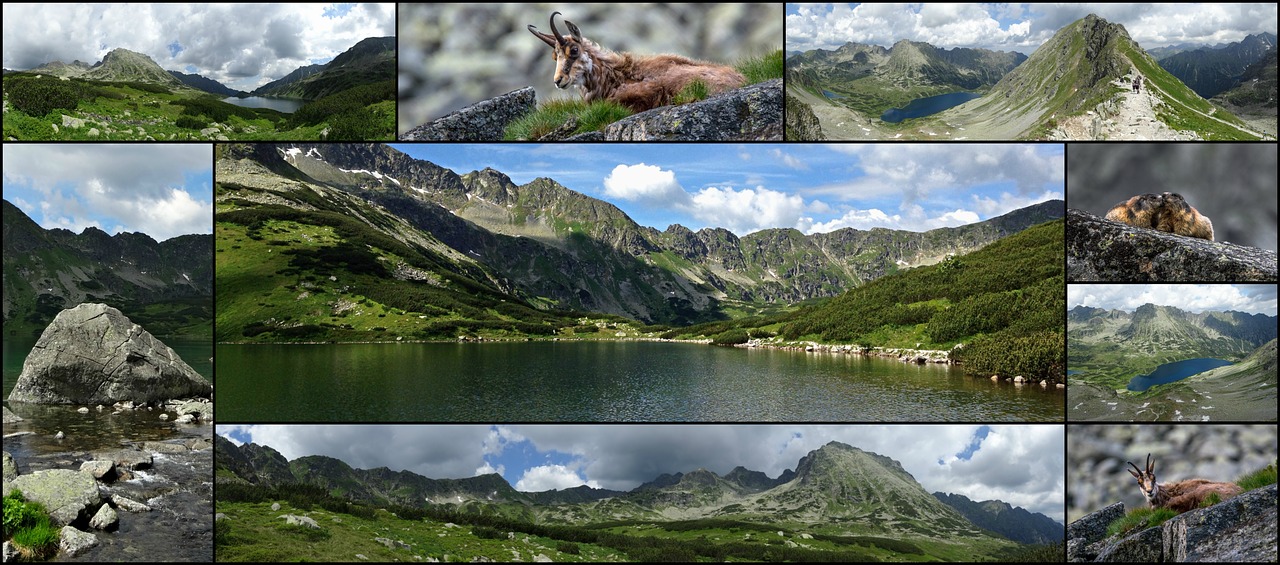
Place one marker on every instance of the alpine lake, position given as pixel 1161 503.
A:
pixel 178 487
pixel 286 105
pixel 604 381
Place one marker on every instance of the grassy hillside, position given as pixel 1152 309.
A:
pixel 113 111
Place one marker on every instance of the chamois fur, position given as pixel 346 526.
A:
pixel 638 82
pixel 1182 496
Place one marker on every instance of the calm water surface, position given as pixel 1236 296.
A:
pixel 282 104
pixel 178 487
pixel 1176 371
pixel 601 381
pixel 921 107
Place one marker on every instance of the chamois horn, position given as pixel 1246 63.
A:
pixel 559 38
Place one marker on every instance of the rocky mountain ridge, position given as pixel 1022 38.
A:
pixel 596 258
pixel 836 482
pixel 1212 70
pixel 369 60
pixel 46 271
pixel 907 64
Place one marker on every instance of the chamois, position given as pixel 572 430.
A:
pixel 1182 496
pixel 636 81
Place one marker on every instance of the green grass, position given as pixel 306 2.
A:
pixel 1140 518
pixel 762 68
pixel 554 114
pixel 692 92
pixel 28 526
pixel 1260 478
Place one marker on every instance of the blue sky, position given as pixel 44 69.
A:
pixel 810 187
pixel 243 46
pixel 1194 298
pixel 1017 27
pixel 1022 465
pixel 162 190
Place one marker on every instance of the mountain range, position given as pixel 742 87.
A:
pixel 1212 70
pixel 1107 348
pixel 836 488
pixel 1073 86
pixel 550 246
pixel 166 286
pixel 369 61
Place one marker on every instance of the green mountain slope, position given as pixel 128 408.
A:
pixel 369 61
pixel 167 287
pixel 841 502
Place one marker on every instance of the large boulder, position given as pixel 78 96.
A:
pixel 74 542
pixel 750 113
pixel 66 494
pixel 93 354
pixel 483 121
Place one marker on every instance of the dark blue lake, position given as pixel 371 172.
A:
pixel 921 107
pixel 831 95
pixel 1176 371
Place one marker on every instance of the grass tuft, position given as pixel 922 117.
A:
pixel 554 114
pixel 1140 518
pixel 693 92
pixel 765 67
pixel 1260 478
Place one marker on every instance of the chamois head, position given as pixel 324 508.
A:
pixel 573 60
pixel 1146 480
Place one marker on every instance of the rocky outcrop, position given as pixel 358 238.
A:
pixel 1239 529
pixel 293 520
pixel 66 494
pixel 483 121
pixel 74 542
pixel 1102 250
pixel 93 354
pixel 801 124
pixel 10 417
pixel 750 113
pixel 10 467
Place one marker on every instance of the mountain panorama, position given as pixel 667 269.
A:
pixel 550 246
pixel 1078 85
pixel 838 498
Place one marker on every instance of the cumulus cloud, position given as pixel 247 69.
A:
pixel 645 183
pixel 225 42
pixel 919 171
pixel 1018 27
pixel 1195 298
pixel 123 187
pixel 551 477
pixel 747 210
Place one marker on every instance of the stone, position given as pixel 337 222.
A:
pixel 99 469
pixel 304 521
pixel 74 542
pixel 1102 250
pixel 93 354
pixel 750 113
pixel 70 122
pixel 164 417
pixel 200 409
pixel 66 494
pixel 275 506
pixel 127 459
pixel 105 519
pixel 10 467
pixel 10 552
pixel 10 417
pixel 59 435
pixel 220 517
pixel 129 505
pixel 183 419
pixel 164 447
pixel 483 121
pixel 93 132
pixel 82 410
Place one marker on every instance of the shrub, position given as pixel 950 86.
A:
pixel 731 337
pixel 38 97
pixel 190 122
pixel 568 547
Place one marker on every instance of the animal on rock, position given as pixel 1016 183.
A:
pixel 639 82
pixel 1181 496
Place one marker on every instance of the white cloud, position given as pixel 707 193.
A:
pixel 915 219
pixel 1194 298
pixel 646 183
pixel 789 159
pixel 487 469
pixel 551 477
pixel 747 210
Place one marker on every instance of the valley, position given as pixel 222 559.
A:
pixel 839 503
pixel 1107 348
pixel 128 97
pixel 1073 87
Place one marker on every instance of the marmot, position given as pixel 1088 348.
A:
pixel 1167 212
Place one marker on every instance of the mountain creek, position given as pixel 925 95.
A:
pixel 178 486
pixel 603 381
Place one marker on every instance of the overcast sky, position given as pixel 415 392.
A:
pixel 1194 298
pixel 1017 27
pixel 243 46
pixel 1021 465
pixel 162 190
pixel 810 187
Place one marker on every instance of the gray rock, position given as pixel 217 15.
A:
pixel 201 409
pixel 750 113
pixel 93 132
pixel 1102 250
pixel 70 122
pixel 105 519
pixel 1142 547
pixel 10 417
pixel 66 494
pixel 1090 529
pixel 10 552
pixel 275 506
pixel 183 419
pixel 74 542
pixel 361 557
pixel 801 124
pixel 10 467
pixel 126 459
pixel 100 469
pixel 483 121
pixel 220 517
pixel 293 520
pixel 93 354
pixel 129 505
